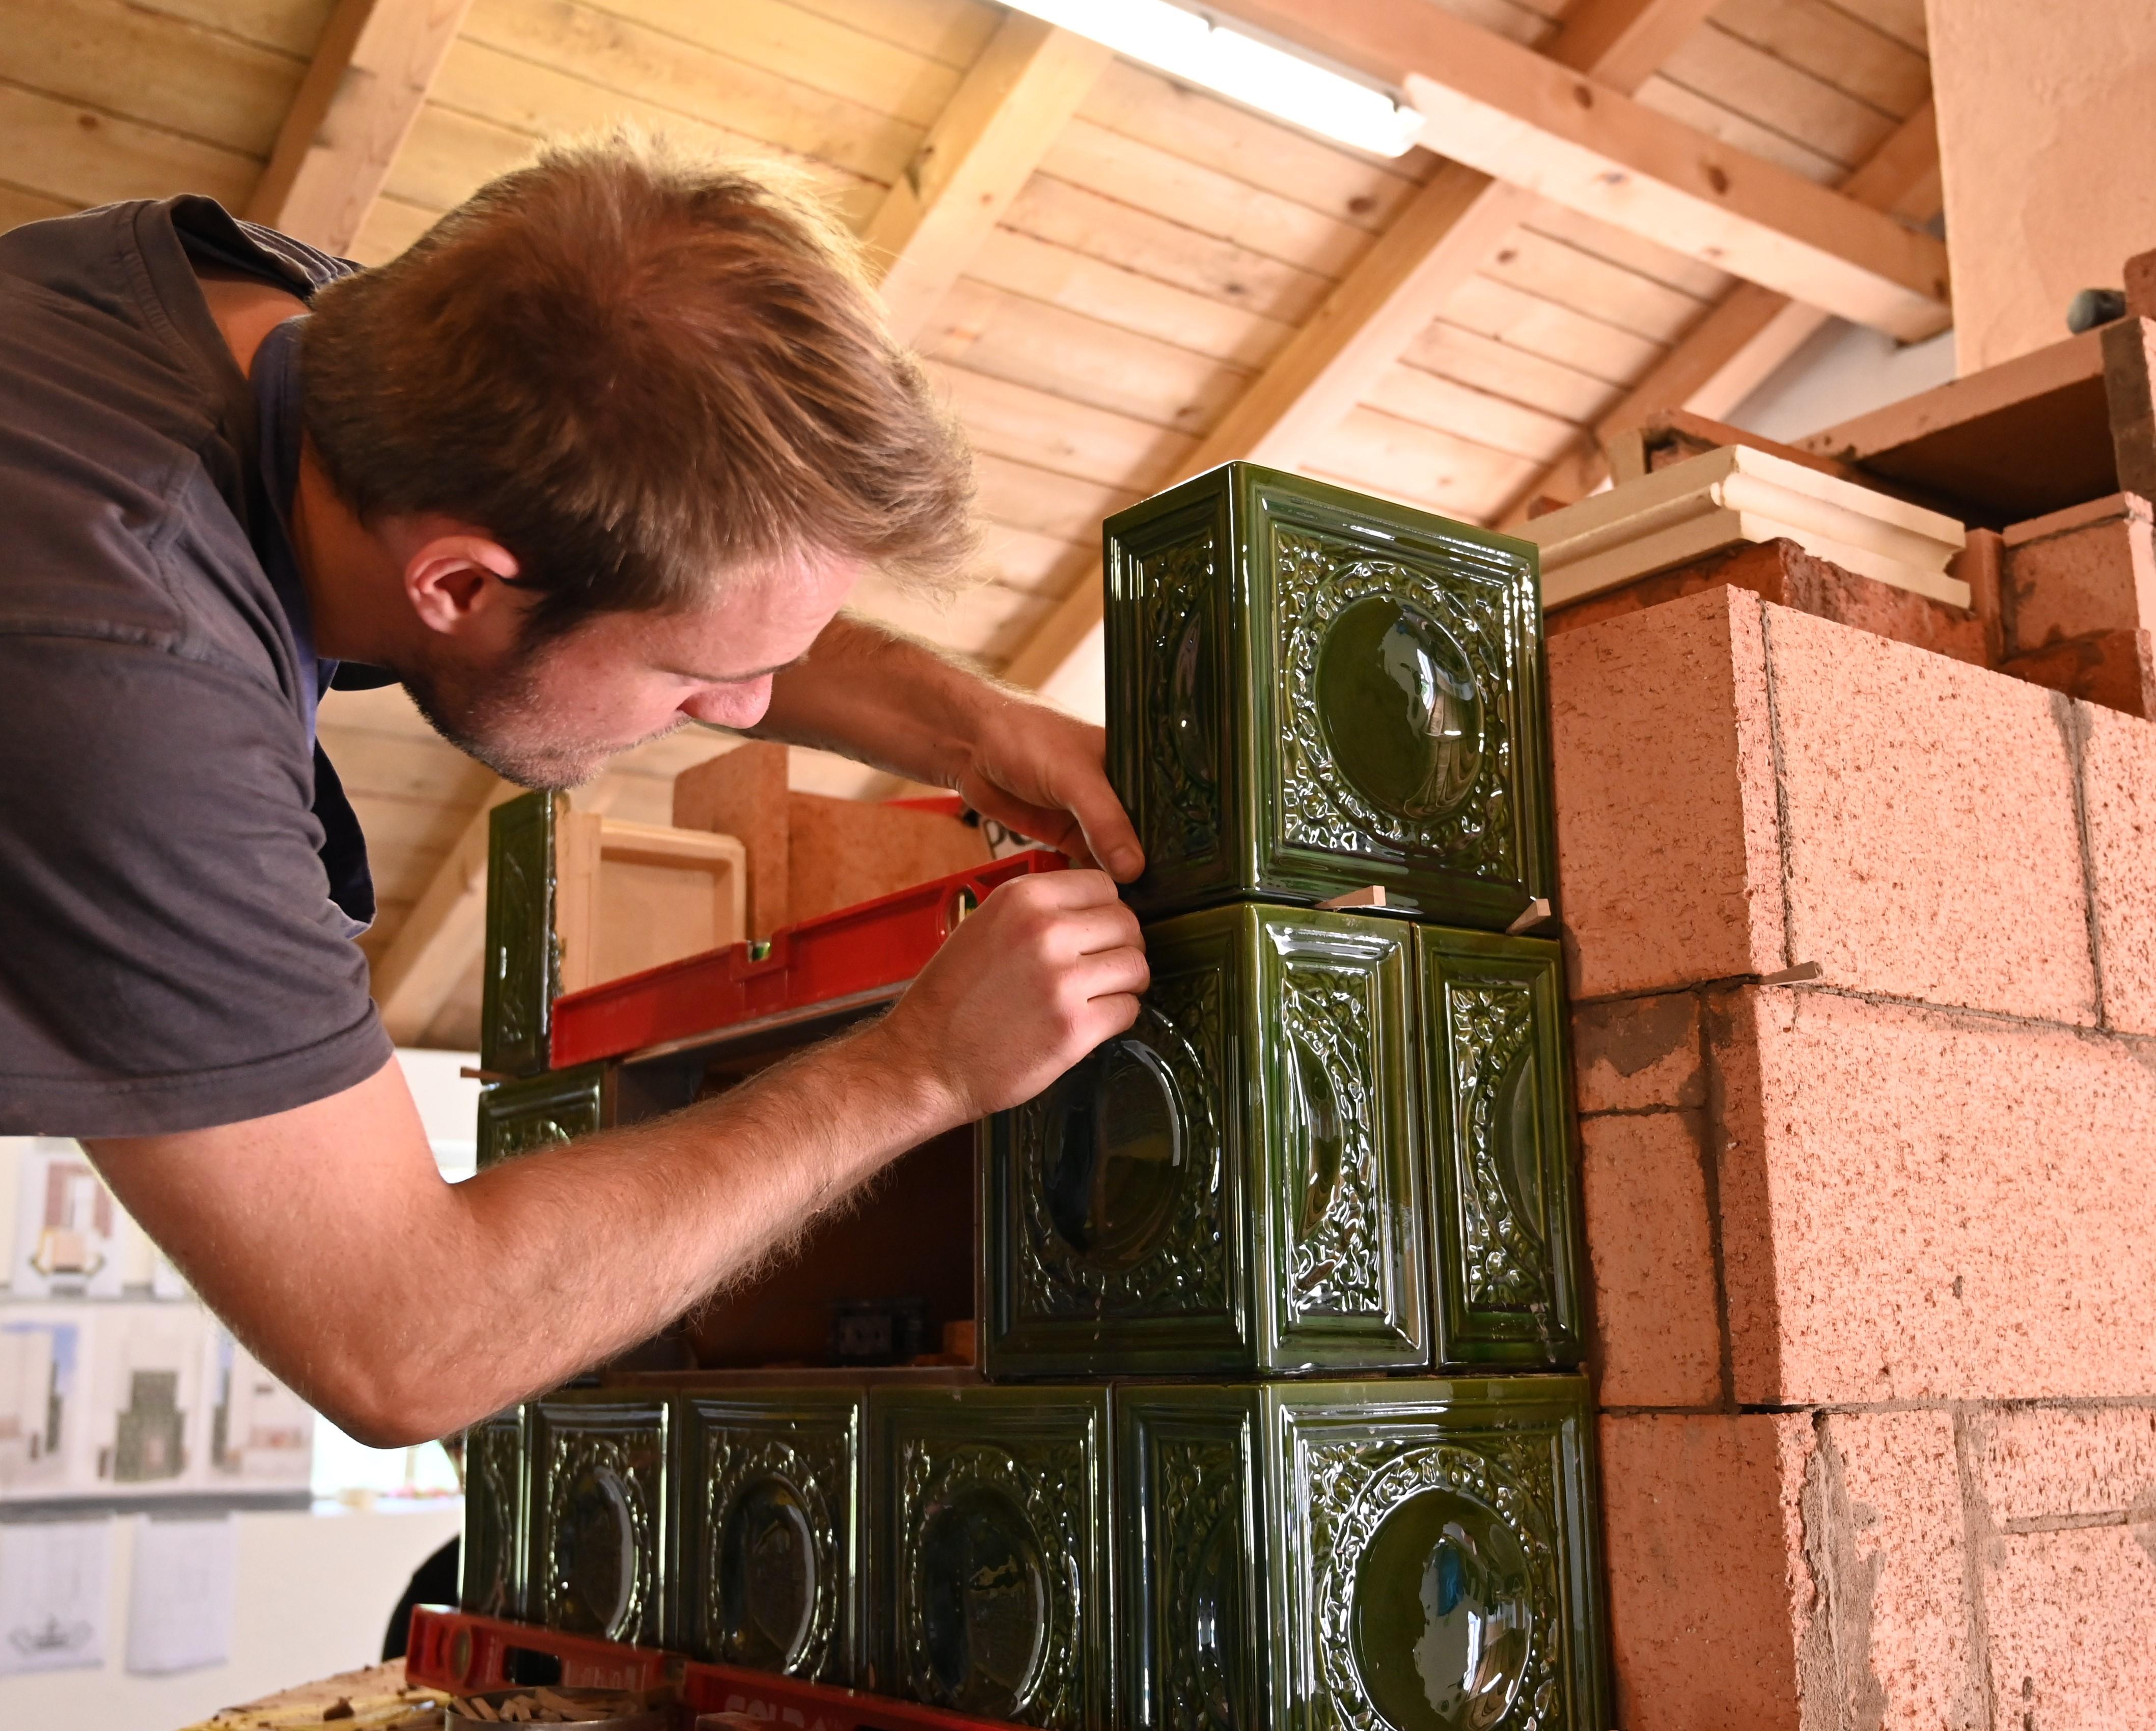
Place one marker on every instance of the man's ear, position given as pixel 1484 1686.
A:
pixel 457 584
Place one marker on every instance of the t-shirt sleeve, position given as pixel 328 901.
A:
pixel 170 958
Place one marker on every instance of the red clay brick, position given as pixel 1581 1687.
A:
pixel 1638 1054
pixel 2050 1463
pixel 1667 849
pixel 2072 1621
pixel 1656 1341
pixel 2081 571
pixel 1702 1635
pixel 2118 792
pixel 1920 1205
pixel 1886 1633
pixel 1932 848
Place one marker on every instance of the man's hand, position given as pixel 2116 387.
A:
pixel 1038 771
pixel 1048 968
pixel 902 706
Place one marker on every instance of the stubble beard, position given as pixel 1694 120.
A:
pixel 498 718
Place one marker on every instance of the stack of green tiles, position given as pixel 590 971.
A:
pixel 1281 1425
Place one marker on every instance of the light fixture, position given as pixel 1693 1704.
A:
pixel 1187 45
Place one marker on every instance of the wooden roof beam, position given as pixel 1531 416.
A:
pixel 976 159
pixel 446 928
pixel 353 110
pixel 1443 235
pixel 1740 342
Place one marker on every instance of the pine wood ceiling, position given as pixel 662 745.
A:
pixel 1166 250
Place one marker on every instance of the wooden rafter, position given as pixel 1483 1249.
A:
pixel 977 158
pixel 1448 231
pixel 364 89
pixel 415 975
pixel 1751 330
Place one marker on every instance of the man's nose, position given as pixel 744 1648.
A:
pixel 731 705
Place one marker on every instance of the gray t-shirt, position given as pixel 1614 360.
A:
pixel 170 953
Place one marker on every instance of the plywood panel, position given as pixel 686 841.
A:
pixel 1068 215
pixel 952 31
pixel 1050 432
pixel 153 68
pixel 1079 283
pixel 1702 282
pixel 1453 475
pixel 1059 506
pixel 806 49
pixel 1432 401
pixel 1028 342
pixel 1680 102
pixel 1542 327
pixel 1503 371
pixel 1847 49
pixel 19 205
pixel 605 54
pixel 1779 96
pixel 1611 293
pixel 1199 127
pixel 65 150
pixel 1203 199
pixel 294 26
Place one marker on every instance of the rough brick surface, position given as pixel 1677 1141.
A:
pixel 1657 1341
pixel 2114 669
pixel 1884 1631
pixel 2097 573
pixel 1664 789
pixel 2118 791
pixel 1702 1635
pixel 1928 822
pixel 2072 1621
pixel 1637 1054
pixel 1921 1206
pixel 2040 1464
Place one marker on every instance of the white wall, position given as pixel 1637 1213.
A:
pixel 1843 371
pixel 314 1594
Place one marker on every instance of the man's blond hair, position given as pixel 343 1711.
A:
pixel 640 371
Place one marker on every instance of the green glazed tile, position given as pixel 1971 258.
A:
pixel 491 1561
pixel 989 1552
pixel 1495 1086
pixel 769 1559
pixel 1391 1556
pixel 1236 1184
pixel 540 1111
pixel 597 1517
pixel 523 962
pixel 1311 691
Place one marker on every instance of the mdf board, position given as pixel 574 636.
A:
pixel 1505 1238
pixel 491 1559
pixel 840 852
pixel 1235 1184
pixel 989 1552
pixel 1314 692
pixel 1417 1555
pixel 768 1552
pixel 599 1514
pixel 630 896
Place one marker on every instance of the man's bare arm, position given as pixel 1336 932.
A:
pixel 902 706
pixel 404 1308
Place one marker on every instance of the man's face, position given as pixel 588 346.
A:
pixel 551 717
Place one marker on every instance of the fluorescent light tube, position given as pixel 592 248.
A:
pixel 1192 47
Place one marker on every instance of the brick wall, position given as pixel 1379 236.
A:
pixel 1863 948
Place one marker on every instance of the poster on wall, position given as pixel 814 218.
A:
pixel 53 1612
pixel 69 1230
pixel 44 1357
pixel 147 1427
pixel 261 1434
pixel 181 1601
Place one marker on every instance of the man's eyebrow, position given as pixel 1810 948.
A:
pixel 740 678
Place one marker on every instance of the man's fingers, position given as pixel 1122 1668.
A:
pixel 1109 973
pixel 1055 891
pixel 1113 842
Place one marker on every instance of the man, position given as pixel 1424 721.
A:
pixel 603 454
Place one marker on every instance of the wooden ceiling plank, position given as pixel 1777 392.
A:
pixel 361 93
pixel 1442 236
pixel 437 939
pixel 977 158
pixel 1741 342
